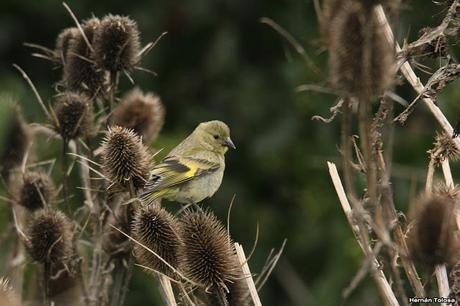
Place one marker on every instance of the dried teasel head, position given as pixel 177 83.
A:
pixel 208 256
pixel 36 191
pixel 116 44
pixel 80 71
pixel 7 295
pixel 362 62
pixel 432 237
pixel 72 115
pixel 444 148
pixel 16 141
pixel 124 158
pixel 156 229
pixel 143 113
pixel 63 43
pixel 50 237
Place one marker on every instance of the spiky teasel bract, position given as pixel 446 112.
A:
pixel 208 257
pixel 63 42
pixel 116 44
pixel 36 191
pixel 50 237
pixel 361 59
pixel 80 71
pixel 16 141
pixel 125 158
pixel 7 295
pixel 156 229
pixel 444 147
pixel 143 113
pixel 72 115
pixel 431 238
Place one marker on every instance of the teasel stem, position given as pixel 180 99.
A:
pixel 412 78
pixel 123 273
pixel 113 83
pixel 247 275
pixel 65 179
pixel 166 290
pixel 442 279
pixel 377 274
pixel 347 147
pixel 46 278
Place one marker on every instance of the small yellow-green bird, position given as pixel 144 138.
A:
pixel 194 169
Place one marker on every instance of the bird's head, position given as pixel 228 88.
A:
pixel 215 135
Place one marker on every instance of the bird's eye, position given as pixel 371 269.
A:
pixel 216 136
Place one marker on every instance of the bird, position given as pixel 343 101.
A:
pixel 194 169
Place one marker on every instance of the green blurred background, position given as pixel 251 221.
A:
pixel 219 62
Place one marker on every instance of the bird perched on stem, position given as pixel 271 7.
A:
pixel 194 169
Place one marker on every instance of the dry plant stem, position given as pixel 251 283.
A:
pixel 366 148
pixel 123 273
pixel 65 179
pixel 412 78
pixel 166 290
pixel 398 233
pixel 440 270
pixel 247 275
pixel 443 282
pixel 377 274
pixel 450 183
pixel 347 147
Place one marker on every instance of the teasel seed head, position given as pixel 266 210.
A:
pixel 125 158
pixel 431 239
pixel 80 71
pixel 72 115
pixel 156 229
pixel 362 62
pixel 7 295
pixel 36 191
pixel 16 141
pixel 444 147
pixel 50 237
pixel 143 113
pixel 63 42
pixel 208 256
pixel 116 44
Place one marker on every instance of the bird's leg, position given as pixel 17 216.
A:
pixel 184 207
pixel 197 207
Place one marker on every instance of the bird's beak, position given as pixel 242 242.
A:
pixel 229 143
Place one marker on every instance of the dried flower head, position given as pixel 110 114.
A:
pixel 361 59
pixel 50 237
pixel 432 47
pixel 36 191
pixel 80 71
pixel 156 229
pixel 124 158
pixel 432 239
pixel 116 44
pixel 143 113
pixel 72 115
pixel 115 243
pixel 17 139
pixel 444 147
pixel 7 295
pixel 63 43
pixel 208 254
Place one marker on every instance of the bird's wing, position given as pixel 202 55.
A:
pixel 173 171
